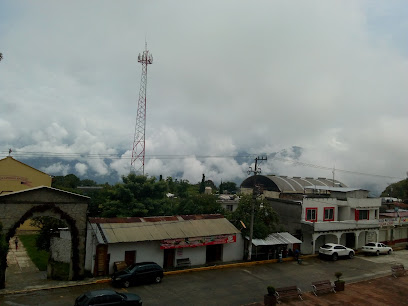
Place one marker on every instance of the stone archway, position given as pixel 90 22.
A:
pixel 72 208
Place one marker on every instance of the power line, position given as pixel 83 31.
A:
pixel 115 156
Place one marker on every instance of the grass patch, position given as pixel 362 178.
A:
pixel 60 270
pixel 39 258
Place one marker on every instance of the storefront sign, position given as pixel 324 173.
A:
pixel 197 241
pixel 393 221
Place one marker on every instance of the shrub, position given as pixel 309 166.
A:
pixel 271 290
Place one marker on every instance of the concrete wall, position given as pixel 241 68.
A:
pixel 60 249
pixel 233 251
pixel 197 255
pixel 145 251
pixel 290 214
pixel 320 204
pixel 90 249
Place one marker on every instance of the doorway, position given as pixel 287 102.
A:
pixel 169 256
pixel 350 240
pixel 213 253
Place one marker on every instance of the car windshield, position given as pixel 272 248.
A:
pixel 130 268
pixel 326 246
pixel 370 244
pixel 82 298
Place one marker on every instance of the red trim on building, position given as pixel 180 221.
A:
pixel 324 214
pixel 311 208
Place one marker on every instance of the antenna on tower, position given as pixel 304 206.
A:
pixel 138 152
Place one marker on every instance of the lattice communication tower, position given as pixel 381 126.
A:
pixel 138 153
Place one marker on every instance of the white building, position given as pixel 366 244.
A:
pixel 198 239
pixel 348 217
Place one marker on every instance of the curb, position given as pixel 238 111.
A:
pixel 215 267
pixel 108 280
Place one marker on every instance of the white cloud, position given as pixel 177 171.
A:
pixel 81 168
pixel 57 169
pixel 328 77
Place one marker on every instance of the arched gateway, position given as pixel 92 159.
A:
pixel 17 207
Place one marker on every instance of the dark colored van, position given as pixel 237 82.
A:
pixel 138 273
pixel 107 297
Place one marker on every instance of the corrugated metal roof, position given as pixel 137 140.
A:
pixel 276 238
pixel 160 230
pixel 297 184
pixel 286 184
pixel 337 189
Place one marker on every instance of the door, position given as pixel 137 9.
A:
pixel 130 257
pixel 101 259
pixel 168 261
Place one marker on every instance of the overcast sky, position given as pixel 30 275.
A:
pixel 229 77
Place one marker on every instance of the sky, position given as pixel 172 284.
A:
pixel 311 85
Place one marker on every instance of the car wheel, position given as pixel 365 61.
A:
pixel 335 256
pixel 158 279
pixel 389 252
pixel 377 253
pixel 126 284
pixel 351 255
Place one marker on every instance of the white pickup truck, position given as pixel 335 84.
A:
pixel 376 248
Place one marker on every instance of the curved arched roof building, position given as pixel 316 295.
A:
pixel 284 184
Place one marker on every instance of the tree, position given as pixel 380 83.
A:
pixel 69 181
pixel 137 196
pixel 230 187
pixel 4 247
pixel 87 183
pixel 265 218
pixel 200 204
pixel 202 185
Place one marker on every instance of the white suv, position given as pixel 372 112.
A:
pixel 335 250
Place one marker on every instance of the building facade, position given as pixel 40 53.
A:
pixel 347 217
pixel 200 239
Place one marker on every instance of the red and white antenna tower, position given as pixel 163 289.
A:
pixel 138 152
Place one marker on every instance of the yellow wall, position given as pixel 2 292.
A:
pixel 16 176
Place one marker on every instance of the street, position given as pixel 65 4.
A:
pixel 230 286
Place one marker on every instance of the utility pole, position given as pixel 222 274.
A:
pixel 255 193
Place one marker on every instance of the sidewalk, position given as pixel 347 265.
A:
pixel 382 291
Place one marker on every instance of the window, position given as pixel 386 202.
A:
pixel 328 214
pixel 311 214
pixel 362 215
pixel 229 207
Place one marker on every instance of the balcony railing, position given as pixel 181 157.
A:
pixel 342 225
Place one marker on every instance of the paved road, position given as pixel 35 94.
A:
pixel 231 286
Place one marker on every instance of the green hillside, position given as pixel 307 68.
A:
pixel 397 190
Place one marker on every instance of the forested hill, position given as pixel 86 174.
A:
pixel 397 190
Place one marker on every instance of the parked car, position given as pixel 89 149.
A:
pixel 334 251
pixel 376 248
pixel 107 297
pixel 142 272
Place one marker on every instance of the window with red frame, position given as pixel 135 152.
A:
pixel 328 214
pixel 311 214
pixel 362 214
